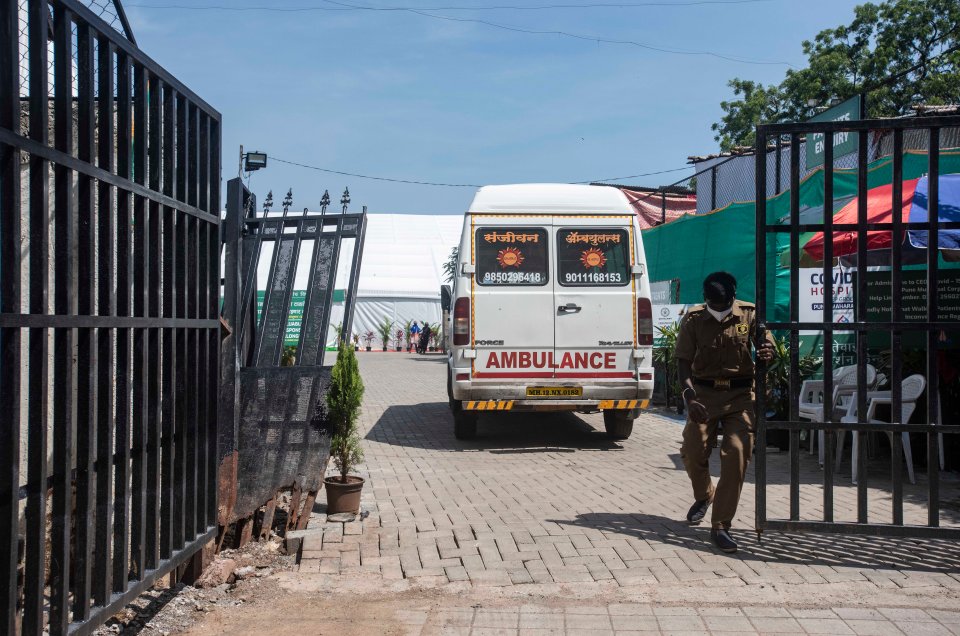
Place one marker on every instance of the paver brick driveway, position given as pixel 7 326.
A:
pixel 547 499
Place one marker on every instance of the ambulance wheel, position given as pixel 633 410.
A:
pixel 618 423
pixel 464 424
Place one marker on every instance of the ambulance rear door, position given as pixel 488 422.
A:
pixel 513 302
pixel 595 298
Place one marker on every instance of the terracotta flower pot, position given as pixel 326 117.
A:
pixel 343 497
pixel 369 348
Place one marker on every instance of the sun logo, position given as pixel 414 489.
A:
pixel 510 257
pixel 593 258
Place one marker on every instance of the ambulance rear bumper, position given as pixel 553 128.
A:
pixel 592 395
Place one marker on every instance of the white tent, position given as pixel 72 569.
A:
pixel 401 271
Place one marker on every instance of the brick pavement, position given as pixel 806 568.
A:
pixel 546 503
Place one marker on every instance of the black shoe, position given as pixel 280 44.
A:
pixel 722 539
pixel 697 511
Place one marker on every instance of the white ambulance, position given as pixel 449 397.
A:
pixel 550 307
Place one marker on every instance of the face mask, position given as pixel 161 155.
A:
pixel 720 315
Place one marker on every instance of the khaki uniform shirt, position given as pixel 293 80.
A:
pixel 720 350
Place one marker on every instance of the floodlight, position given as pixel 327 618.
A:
pixel 254 161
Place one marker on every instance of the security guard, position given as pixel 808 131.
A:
pixel 716 371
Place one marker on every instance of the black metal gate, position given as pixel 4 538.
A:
pixel 273 434
pixel 109 331
pixel 851 403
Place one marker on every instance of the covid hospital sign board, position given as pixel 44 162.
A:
pixel 843 142
pixel 812 289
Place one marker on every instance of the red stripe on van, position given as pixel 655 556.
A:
pixel 599 374
pixel 519 374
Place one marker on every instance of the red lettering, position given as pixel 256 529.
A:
pixel 595 360
pixel 524 359
pixel 580 360
pixel 539 360
pixel 610 360
pixel 508 360
pixel 493 362
pixel 567 361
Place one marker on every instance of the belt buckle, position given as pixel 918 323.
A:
pixel 722 383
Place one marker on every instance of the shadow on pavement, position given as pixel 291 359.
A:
pixel 834 550
pixel 430 426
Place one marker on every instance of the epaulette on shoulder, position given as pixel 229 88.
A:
pixel 696 309
pixel 747 305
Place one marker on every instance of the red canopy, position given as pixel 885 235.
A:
pixel 649 210
pixel 879 210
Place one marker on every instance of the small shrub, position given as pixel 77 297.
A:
pixel 344 397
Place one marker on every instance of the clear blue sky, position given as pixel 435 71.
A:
pixel 401 95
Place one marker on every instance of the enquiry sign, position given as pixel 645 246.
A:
pixel 843 142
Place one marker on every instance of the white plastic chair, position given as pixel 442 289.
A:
pixel 844 385
pixel 911 390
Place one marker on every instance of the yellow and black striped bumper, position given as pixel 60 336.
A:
pixel 623 404
pixel 488 405
pixel 507 405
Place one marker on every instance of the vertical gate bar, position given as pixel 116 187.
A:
pixel 663 207
pixel 213 366
pixel 287 293
pixel 193 150
pixel 794 405
pixel 351 298
pixel 861 458
pixel 777 165
pixel 896 361
pixel 180 335
pixel 154 345
pixel 191 394
pixel 65 303
pixel 198 353
pixel 121 525
pixel 933 292
pixel 169 294
pixel 207 289
pixel 87 343
pixel 37 418
pixel 258 355
pixel 318 320
pixel 203 187
pixel 141 270
pixel 10 340
pixel 760 180
pixel 107 306
pixel 828 436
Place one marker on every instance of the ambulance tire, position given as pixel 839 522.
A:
pixel 464 424
pixel 618 423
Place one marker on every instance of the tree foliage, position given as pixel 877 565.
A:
pixel 898 52
pixel 450 266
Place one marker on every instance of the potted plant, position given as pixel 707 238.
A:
pixel 368 340
pixel 344 397
pixel 406 334
pixel 288 357
pixel 398 339
pixel 384 328
pixel 356 342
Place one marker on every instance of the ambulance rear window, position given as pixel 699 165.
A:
pixel 511 256
pixel 593 257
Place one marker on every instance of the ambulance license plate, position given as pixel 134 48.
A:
pixel 554 391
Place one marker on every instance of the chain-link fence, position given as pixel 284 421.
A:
pixel 721 180
pixel 110 11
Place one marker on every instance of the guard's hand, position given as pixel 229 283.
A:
pixel 765 352
pixel 697 411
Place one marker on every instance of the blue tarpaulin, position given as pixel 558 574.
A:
pixel 948 210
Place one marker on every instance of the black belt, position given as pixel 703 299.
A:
pixel 725 383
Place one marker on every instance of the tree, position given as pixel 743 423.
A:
pixel 450 267
pixel 344 397
pixel 898 52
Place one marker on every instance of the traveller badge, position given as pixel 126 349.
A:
pixel 509 257
pixel 593 258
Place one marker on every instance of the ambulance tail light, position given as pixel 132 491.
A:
pixel 461 322
pixel 644 322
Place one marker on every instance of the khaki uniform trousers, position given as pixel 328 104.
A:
pixel 733 408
